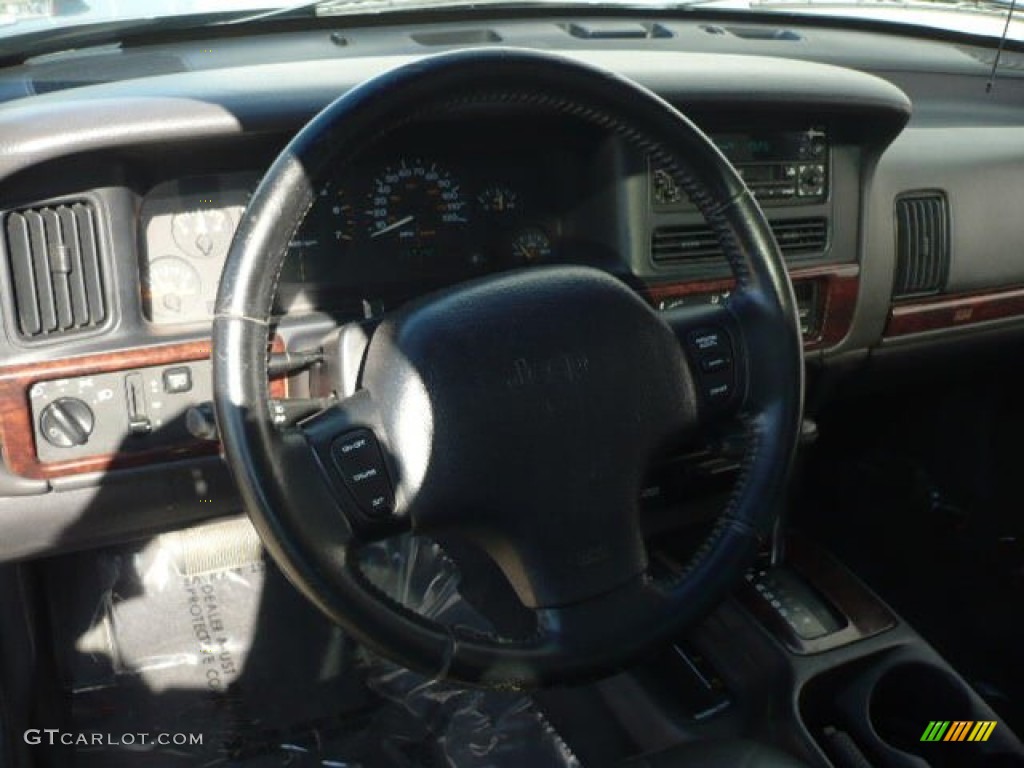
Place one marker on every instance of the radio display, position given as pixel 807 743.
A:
pixel 763 147
pixel 788 167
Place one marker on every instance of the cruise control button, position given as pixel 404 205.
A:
pixel 359 461
pixel 358 446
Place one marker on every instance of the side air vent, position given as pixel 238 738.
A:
pixel 690 244
pixel 53 253
pixel 922 244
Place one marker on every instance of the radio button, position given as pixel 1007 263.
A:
pixel 709 341
pixel 812 180
pixel 713 363
pixel 718 387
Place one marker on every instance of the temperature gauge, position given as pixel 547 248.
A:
pixel 531 246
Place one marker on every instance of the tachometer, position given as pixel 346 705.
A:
pixel 336 213
pixel 414 202
pixel 329 224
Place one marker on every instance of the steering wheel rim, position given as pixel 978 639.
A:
pixel 593 617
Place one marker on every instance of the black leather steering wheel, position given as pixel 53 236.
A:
pixel 520 411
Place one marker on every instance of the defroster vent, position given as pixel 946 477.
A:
pixel 53 253
pixel 922 244
pixel 688 244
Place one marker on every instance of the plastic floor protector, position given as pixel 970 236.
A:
pixel 194 634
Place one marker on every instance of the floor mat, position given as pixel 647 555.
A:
pixel 196 641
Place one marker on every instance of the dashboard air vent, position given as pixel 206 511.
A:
pixel 922 244
pixel 596 29
pixel 58 75
pixel 53 253
pixel 987 57
pixel 456 37
pixel 753 33
pixel 688 244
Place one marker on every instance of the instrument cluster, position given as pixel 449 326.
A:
pixel 431 208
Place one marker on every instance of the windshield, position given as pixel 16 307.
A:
pixel 18 17
pixel 24 16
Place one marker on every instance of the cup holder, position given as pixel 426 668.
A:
pixel 909 692
pixel 881 705
pixel 905 697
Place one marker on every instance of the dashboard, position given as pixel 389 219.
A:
pixel 444 202
pixel 866 157
pixel 431 206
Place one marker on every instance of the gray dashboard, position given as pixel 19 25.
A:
pixel 130 148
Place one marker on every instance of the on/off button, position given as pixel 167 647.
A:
pixel 359 461
pixel 353 445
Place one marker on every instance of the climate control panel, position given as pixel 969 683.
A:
pixel 140 409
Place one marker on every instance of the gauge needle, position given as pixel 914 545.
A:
pixel 392 227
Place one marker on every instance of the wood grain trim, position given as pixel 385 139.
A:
pixel 954 311
pixel 838 284
pixel 17 434
pixel 840 288
pixel 864 614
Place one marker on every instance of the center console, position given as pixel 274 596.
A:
pixel 807 658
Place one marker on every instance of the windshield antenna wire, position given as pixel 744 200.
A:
pixel 999 49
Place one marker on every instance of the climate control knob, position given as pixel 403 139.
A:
pixel 66 422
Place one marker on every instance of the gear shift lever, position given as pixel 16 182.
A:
pixel 808 436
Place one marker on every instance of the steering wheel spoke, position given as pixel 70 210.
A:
pixel 584 625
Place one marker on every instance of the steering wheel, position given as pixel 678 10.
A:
pixel 522 410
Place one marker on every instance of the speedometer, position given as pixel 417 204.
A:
pixel 414 202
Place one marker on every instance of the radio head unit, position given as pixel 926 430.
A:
pixel 779 167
